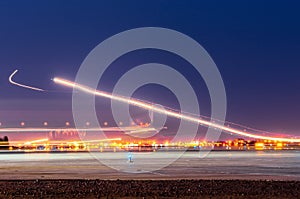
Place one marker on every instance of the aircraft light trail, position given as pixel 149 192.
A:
pixel 139 131
pixel 36 141
pixel 58 142
pixel 22 85
pixel 148 106
pixel 126 129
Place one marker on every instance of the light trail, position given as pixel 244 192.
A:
pixel 144 130
pixel 148 106
pixel 22 85
pixel 141 131
pixel 126 129
pixel 48 142
pixel 92 141
pixel 36 141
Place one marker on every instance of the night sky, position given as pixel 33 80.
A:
pixel 255 44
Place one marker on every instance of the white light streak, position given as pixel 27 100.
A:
pixel 114 129
pixel 35 141
pixel 22 85
pixel 148 106
pixel 146 130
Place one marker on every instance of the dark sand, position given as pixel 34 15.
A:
pixel 148 189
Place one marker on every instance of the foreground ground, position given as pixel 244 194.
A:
pixel 242 165
pixel 227 174
pixel 149 189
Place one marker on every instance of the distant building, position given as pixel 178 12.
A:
pixel 4 144
pixel 65 135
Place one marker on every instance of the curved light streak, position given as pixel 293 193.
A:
pixel 148 106
pixel 22 85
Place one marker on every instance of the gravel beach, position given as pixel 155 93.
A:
pixel 148 189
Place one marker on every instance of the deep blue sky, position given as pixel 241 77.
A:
pixel 255 44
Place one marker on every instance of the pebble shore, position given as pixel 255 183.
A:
pixel 149 189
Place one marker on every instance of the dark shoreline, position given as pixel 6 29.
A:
pixel 149 189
